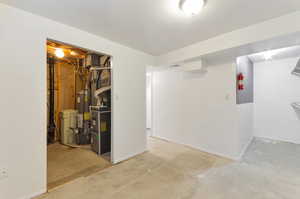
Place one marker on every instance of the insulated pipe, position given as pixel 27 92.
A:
pixel 51 122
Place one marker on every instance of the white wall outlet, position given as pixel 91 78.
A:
pixel 3 173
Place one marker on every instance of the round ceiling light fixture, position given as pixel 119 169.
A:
pixel 191 7
pixel 59 53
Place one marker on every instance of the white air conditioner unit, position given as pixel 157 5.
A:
pixel 192 66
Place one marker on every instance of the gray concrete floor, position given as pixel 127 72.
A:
pixel 269 170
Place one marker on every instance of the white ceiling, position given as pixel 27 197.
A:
pixel 156 26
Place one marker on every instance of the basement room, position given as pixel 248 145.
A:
pixel 131 99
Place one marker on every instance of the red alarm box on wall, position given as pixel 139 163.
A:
pixel 240 80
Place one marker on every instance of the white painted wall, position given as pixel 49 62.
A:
pixel 198 110
pixel 245 106
pixel 149 100
pixel 23 102
pixel 274 91
pixel 245 126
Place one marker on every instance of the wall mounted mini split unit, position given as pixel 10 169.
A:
pixel 194 66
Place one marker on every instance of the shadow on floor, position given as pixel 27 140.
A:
pixel 66 164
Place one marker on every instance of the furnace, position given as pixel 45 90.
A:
pixel 79 111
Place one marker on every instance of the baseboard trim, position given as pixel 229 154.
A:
pixel 240 157
pixel 129 156
pixel 279 140
pixel 35 194
pixel 201 149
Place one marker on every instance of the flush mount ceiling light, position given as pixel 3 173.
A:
pixel 59 53
pixel 191 7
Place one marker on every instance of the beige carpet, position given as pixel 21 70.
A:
pixel 66 164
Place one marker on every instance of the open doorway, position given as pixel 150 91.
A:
pixel 78 112
pixel 149 103
pixel 268 94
